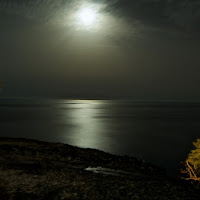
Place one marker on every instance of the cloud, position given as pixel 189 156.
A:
pixel 179 15
pixel 163 13
pixel 129 21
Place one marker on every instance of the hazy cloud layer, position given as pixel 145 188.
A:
pixel 144 48
pixel 176 15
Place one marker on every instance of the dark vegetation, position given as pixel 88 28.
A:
pixel 31 169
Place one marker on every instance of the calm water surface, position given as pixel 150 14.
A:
pixel 160 132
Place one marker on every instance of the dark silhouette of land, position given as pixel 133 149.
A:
pixel 30 169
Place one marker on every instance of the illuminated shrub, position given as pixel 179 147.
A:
pixel 192 164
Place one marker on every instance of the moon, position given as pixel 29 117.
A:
pixel 87 16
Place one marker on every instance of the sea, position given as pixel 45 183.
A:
pixel 160 132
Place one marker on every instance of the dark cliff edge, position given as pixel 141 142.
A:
pixel 31 169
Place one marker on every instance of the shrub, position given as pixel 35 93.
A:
pixel 192 164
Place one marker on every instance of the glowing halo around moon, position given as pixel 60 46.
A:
pixel 88 17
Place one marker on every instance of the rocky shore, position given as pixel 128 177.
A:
pixel 31 169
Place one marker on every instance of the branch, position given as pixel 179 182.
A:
pixel 191 170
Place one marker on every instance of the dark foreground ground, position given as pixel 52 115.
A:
pixel 31 169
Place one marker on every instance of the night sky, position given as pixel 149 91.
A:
pixel 140 49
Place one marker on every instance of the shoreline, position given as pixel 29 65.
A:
pixel 32 169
